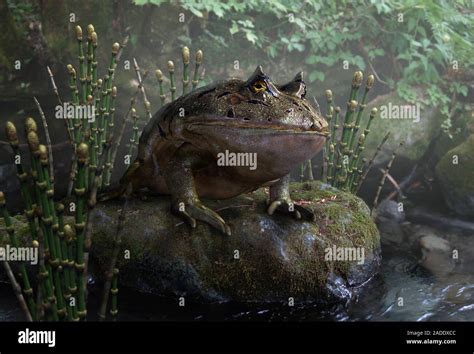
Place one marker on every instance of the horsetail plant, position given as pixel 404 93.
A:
pixel 198 62
pixel 146 103
pixel 159 77
pixel 185 53
pixel 172 84
pixel 80 192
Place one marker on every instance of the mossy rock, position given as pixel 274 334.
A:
pixel 457 180
pixel 416 134
pixel 278 257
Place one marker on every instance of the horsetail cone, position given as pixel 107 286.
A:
pixel 33 141
pixel 30 125
pixel 82 153
pixel 68 232
pixel 159 75
pixel 114 91
pixel 115 48
pixel 186 55
pixel 328 94
pixel 170 65
pixel 357 79
pixel 370 82
pixel 199 57
pixel 90 30
pixel 94 39
pixel 352 105
pixel 10 132
pixel 43 154
pixel 78 33
pixel 2 198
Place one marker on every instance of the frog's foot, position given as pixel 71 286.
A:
pixel 190 212
pixel 289 207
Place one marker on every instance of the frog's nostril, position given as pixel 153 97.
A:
pixel 230 113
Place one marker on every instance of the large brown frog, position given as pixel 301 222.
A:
pixel 192 147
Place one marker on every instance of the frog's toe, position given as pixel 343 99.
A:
pixel 297 211
pixel 200 212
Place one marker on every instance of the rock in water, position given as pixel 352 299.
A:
pixel 267 258
pixel 455 175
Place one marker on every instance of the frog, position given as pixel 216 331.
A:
pixel 181 146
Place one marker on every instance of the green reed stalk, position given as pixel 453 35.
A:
pixel 64 261
pixel 354 163
pixel 12 137
pixel 159 77
pixel 384 176
pixel 114 292
pixel 70 241
pixel 108 163
pixel 75 124
pixel 55 247
pixel 90 58
pixel 80 192
pixel 109 79
pixel 185 70
pixel 362 105
pixel 172 84
pixel 333 142
pixel 197 64
pixel 366 172
pixel 27 290
pixel 134 138
pixel 82 66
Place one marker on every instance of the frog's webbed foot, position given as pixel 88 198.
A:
pixel 190 212
pixel 281 201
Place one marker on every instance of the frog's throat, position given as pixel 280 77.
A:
pixel 246 125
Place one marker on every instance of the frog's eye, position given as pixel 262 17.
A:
pixel 259 86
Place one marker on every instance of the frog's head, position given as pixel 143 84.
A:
pixel 259 116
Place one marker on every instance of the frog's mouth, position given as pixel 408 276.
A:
pixel 257 128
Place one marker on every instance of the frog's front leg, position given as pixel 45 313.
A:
pixel 280 200
pixel 184 199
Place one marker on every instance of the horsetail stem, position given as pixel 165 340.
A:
pixel 355 162
pixel 108 92
pixel 80 191
pixel 64 260
pixel 159 77
pixel 114 291
pixel 27 290
pixel 185 70
pixel 172 84
pixel 12 137
pixel 134 138
pixel 69 238
pixel 369 165
pixel 94 63
pixel 362 105
pixel 90 59
pixel 333 142
pixel 198 62
pixel 75 124
pixel 146 103
pixel 329 115
pixel 52 219
pixel 108 163
pixel 384 176
pixel 82 66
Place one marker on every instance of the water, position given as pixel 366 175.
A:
pixel 404 291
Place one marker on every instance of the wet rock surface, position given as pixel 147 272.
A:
pixel 267 258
